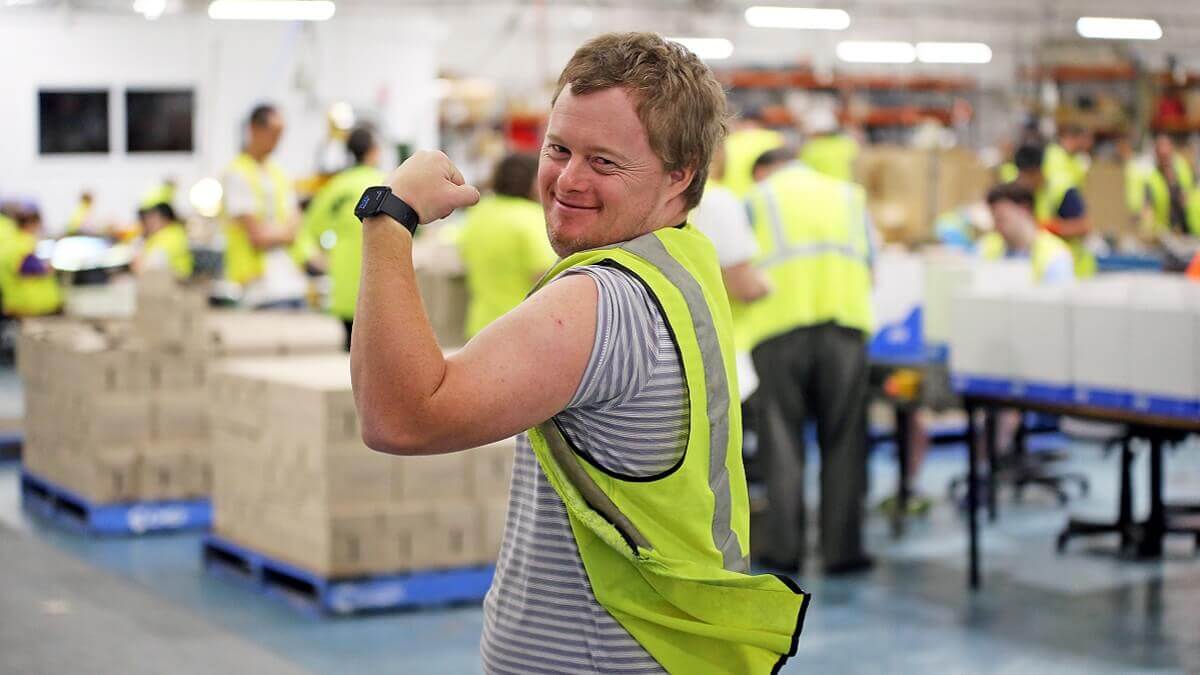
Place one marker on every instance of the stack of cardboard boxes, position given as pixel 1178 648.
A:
pixel 442 281
pixel 908 188
pixel 294 481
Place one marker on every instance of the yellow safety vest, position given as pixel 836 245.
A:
pixel 1046 248
pixel 504 249
pixel 163 193
pixel 172 242
pixel 667 556
pixel 78 216
pixel 1058 165
pixel 1046 202
pixel 332 209
pixel 1160 196
pixel 831 155
pixel 26 296
pixel 1007 172
pixel 742 148
pixel 244 262
pixel 814 248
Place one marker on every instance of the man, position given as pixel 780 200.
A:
pixel 748 141
pixel 1017 235
pixel 332 210
pixel 1058 206
pixel 1067 161
pixel 626 538
pixel 30 285
pixel 809 345
pixel 80 221
pixel 1169 189
pixel 721 216
pixel 260 219
pixel 828 149
pixel 503 243
pixel 166 243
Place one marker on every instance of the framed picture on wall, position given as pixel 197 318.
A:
pixel 72 121
pixel 159 120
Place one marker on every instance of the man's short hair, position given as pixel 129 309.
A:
pixel 771 158
pixel 360 142
pixel 514 175
pixel 165 210
pixel 679 102
pixel 1029 157
pixel 1011 192
pixel 261 114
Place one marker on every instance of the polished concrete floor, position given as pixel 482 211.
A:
pixel 72 604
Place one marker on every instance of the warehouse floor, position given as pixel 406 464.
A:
pixel 75 604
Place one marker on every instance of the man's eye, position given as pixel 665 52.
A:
pixel 557 149
pixel 603 162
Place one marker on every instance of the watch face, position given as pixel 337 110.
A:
pixel 368 205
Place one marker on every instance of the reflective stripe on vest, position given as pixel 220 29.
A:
pixel 785 250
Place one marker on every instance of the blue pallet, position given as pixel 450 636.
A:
pixel 318 595
pixel 58 504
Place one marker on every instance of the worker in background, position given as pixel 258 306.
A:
pixel 627 536
pixel 828 149
pixel 260 219
pixel 749 139
pixel 1068 159
pixel 162 193
pixel 503 243
pixel 1058 206
pixel 1169 191
pixel 166 242
pixel 29 283
pixel 332 210
pixel 1016 234
pixel 809 344
pixel 80 220
pixel 721 216
pixel 8 238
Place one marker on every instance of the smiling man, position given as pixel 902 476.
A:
pixel 627 537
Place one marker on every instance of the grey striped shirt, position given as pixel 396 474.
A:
pixel 630 414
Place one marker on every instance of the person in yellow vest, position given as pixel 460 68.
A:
pixel 1069 159
pixel 260 219
pixel 332 210
pixel 30 285
pixel 744 145
pixel 1016 234
pixel 721 216
pixel 828 149
pixel 166 242
pixel 808 339
pixel 8 238
pixel 629 498
pixel 1169 191
pixel 80 220
pixel 1058 206
pixel 503 243
pixel 162 193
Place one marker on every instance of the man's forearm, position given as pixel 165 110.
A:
pixel 395 361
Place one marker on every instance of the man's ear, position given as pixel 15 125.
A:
pixel 680 180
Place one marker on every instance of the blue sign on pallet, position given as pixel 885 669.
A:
pixel 64 506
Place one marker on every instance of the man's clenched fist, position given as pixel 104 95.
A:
pixel 431 184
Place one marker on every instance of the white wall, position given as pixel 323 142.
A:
pixel 300 67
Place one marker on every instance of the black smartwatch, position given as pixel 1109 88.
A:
pixel 379 199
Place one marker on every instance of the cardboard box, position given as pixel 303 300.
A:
pixel 1041 344
pixel 492 521
pixel 164 476
pixel 180 415
pixel 432 479
pixel 945 274
pixel 107 477
pixel 1101 342
pixel 981 346
pixel 1164 362
pixel 492 468
pixel 108 419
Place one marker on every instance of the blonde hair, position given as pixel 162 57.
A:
pixel 678 101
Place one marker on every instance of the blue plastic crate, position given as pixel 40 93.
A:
pixel 314 594
pixel 60 505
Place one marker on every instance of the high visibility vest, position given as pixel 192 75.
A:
pixel 832 155
pixel 1155 183
pixel 332 210
pixel 171 242
pixel 78 217
pixel 27 295
pixel 1007 172
pixel 742 148
pixel 1046 202
pixel 1058 165
pixel 1047 247
pixel 504 248
pixel 163 193
pixel 814 249
pixel 667 555
pixel 244 262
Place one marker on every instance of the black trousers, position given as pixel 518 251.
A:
pixel 818 371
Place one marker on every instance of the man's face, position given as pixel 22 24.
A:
pixel 1164 149
pixel 598 179
pixel 1031 178
pixel 267 136
pixel 1009 219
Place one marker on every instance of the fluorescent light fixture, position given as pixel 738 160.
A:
pixel 151 9
pixel 271 10
pixel 953 52
pixel 1108 28
pixel 797 17
pixel 881 51
pixel 706 48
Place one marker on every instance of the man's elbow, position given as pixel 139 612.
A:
pixel 382 434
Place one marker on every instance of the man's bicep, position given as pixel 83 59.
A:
pixel 521 370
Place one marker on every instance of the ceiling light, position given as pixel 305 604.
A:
pixel 271 10
pixel 706 48
pixel 953 52
pixel 205 197
pixel 881 51
pixel 151 9
pixel 797 17
pixel 1107 28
